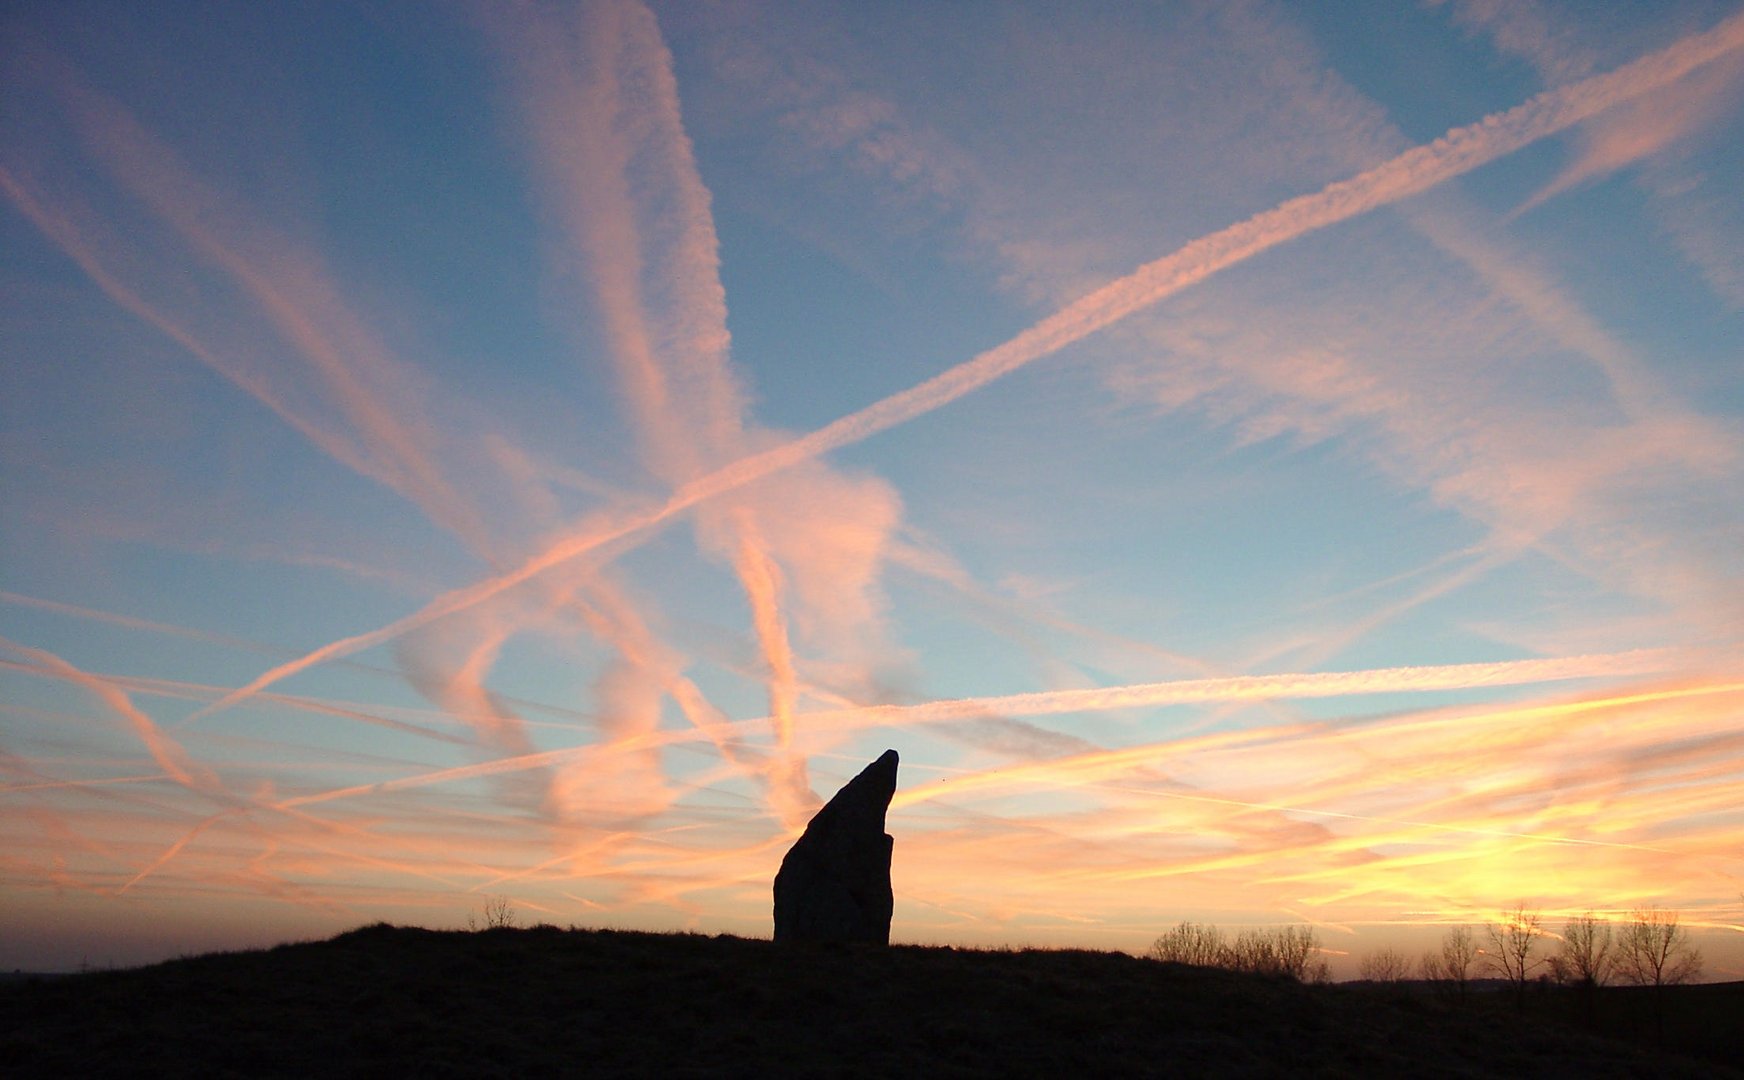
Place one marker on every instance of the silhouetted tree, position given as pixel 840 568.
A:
pixel 1385 965
pixel 1191 943
pixel 1653 950
pixel 1454 961
pixel 1513 941
pixel 498 914
pixel 1585 958
pixel 1291 951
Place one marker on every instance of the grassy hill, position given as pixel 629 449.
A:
pixel 512 1002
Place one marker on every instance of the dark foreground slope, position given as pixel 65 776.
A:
pixel 546 1001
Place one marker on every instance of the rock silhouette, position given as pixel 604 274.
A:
pixel 834 883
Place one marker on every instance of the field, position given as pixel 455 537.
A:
pixel 513 1002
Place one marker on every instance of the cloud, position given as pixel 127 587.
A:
pixel 386 433
pixel 1413 172
pixel 1705 229
pixel 1482 385
pixel 165 750
pixel 599 99
pixel 974 711
pixel 1433 813
pixel 1524 28
pixel 762 582
pixel 192 691
pixel 1646 128
pixel 600 103
pixel 72 239
pixel 1282 808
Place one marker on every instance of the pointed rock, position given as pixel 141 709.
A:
pixel 834 883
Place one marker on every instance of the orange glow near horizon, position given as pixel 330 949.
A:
pixel 1244 485
pixel 1400 825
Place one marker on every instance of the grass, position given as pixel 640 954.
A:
pixel 513 1002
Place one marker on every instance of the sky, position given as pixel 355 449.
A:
pixel 1256 463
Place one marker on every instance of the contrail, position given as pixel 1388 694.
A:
pixel 1260 687
pixel 77 248
pixel 166 751
pixel 292 290
pixel 600 101
pixel 1411 173
pixel 790 791
pixel 1182 691
pixel 136 684
pixel 171 852
pixel 1430 826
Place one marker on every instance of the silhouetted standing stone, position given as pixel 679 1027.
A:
pixel 834 883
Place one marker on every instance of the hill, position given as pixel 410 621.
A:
pixel 511 1002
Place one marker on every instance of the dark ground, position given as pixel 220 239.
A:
pixel 545 1001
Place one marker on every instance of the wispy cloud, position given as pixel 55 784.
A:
pixel 1394 579
pixel 384 435
pixel 1416 805
pixel 600 102
pixel 1645 129
pixel 1413 172
pixel 166 751
pixel 1641 133
pixel 1047 703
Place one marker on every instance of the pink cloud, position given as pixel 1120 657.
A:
pixel 165 750
pixel 1646 128
pixel 1407 174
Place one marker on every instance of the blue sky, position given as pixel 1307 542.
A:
pixel 1256 464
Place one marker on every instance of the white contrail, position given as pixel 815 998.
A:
pixel 1054 702
pixel 1415 171
pixel 1258 687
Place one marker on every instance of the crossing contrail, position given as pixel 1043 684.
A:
pixel 1054 702
pixel 1411 173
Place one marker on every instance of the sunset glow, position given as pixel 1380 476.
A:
pixel 1256 463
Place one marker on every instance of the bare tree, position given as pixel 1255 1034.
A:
pixel 1290 951
pixel 1653 950
pixel 1512 945
pixel 1385 965
pixel 1586 957
pixel 499 914
pixel 1453 963
pixel 1191 943
pixel 1586 960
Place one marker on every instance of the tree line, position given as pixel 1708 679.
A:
pixel 1292 952
pixel 1650 948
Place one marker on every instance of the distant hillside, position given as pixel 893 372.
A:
pixel 545 1001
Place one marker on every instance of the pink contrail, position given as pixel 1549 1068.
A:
pixel 168 753
pixel 171 852
pixel 78 248
pixel 761 577
pixel 1052 702
pixel 137 684
pixel 1415 171
pixel 133 622
pixel 648 242
pixel 293 291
